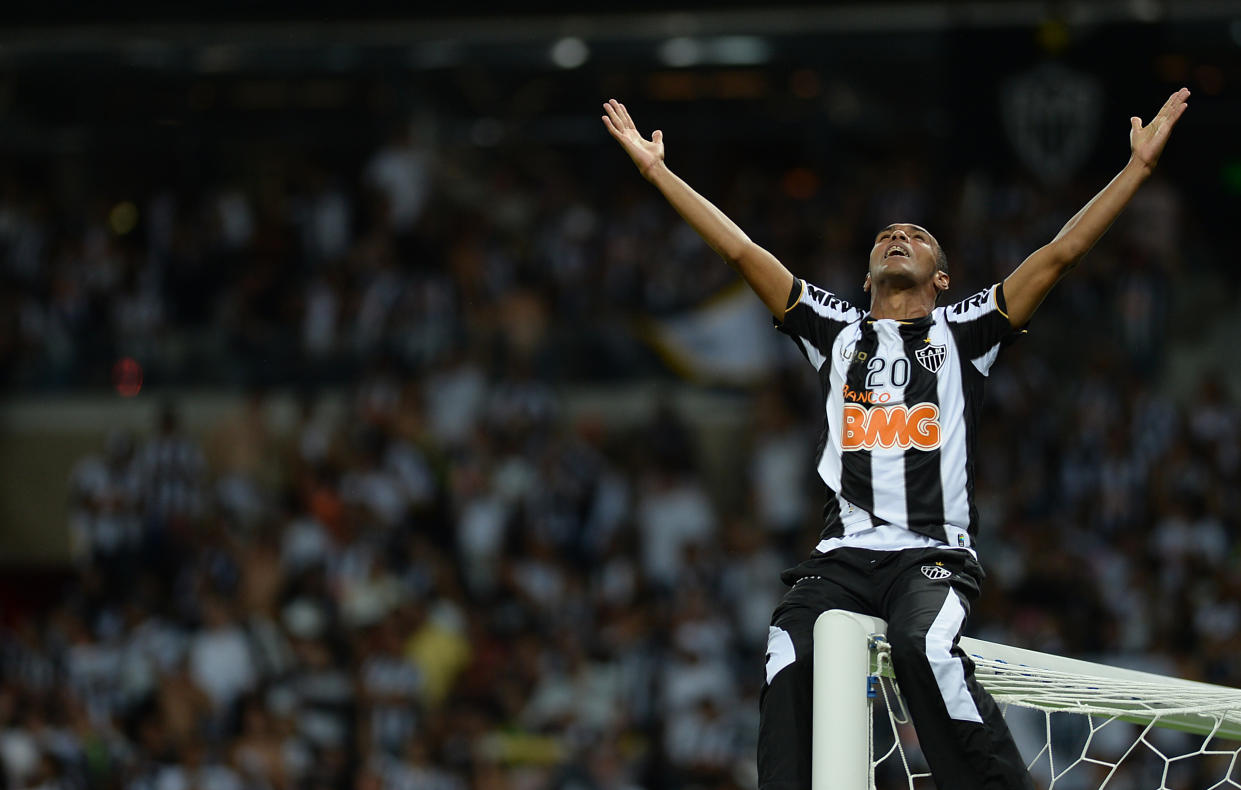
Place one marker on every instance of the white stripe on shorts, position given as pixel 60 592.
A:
pixel 949 671
pixel 780 652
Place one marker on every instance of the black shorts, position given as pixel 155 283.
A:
pixel 925 596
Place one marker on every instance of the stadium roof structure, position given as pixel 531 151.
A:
pixel 66 24
pixel 72 71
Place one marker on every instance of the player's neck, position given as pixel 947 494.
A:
pixel 901 303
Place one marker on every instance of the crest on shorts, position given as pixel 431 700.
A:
pixel 932 357
pixel 935 572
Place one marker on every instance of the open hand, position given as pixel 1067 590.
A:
pixel 646 154
pixel 1146 142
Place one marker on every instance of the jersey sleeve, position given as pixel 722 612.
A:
pixel 814 318
pixel 981 327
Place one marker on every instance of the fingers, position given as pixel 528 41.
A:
pixel 611 107
pixel 619 115
pixel 625 115
pixel 612 130
pixel 1169 112
pixel 1176 104
pixel 1172 114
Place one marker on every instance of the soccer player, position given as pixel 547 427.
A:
pixel 902 384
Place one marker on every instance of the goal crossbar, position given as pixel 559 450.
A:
pixel 850 655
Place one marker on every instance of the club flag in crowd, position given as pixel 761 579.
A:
pixel 727 339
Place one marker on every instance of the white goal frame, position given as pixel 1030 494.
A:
pixel 847 673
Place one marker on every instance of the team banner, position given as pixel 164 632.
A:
pixel 1051 113
pixel 726 340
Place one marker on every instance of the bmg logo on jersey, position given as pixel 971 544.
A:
pixel 890 426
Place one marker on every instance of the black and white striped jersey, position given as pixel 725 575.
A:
pixel 902 399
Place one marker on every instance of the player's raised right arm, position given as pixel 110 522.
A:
pixel 765 274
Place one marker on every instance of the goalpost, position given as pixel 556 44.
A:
pixel 1127 723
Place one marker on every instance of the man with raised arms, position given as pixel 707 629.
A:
pixel 902 384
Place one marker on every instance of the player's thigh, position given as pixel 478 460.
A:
pixel 785 703
pixel 791 635
pixel 930 601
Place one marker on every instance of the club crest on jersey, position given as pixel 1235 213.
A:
pixel 932 357
pixel 935 572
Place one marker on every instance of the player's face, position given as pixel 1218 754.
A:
pixel 904 252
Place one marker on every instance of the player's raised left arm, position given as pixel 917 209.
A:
pixel 1026 287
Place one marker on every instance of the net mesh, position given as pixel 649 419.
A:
pixel 1080 730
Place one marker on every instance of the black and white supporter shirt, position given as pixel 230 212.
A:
pixel 898 444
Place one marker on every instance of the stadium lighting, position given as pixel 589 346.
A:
pixel 570 52
pixel 680 52
pixel 740 50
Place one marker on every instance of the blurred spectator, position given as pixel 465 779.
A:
pixel 400 172
pixel 105 524
pixel 173 476
pixel 219 655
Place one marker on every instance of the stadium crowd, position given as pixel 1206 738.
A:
pixel 448 582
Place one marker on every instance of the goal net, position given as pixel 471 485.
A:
pixel 1079 724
